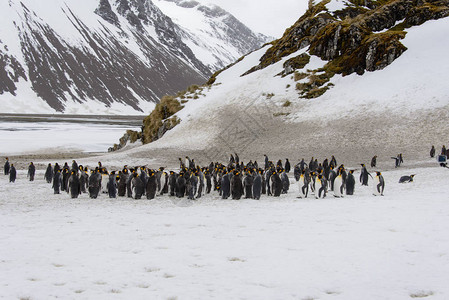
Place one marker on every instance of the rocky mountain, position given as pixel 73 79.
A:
pixel 108 56
pixel 353 78
pixel 215 35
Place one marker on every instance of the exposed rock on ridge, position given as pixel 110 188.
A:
pixel 350 37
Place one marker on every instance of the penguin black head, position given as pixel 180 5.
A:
pixel 378 173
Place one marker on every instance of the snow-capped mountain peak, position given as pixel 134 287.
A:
pixel 215 35
pixel 103 56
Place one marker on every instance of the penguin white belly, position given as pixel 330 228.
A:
pixel 376 191
pixel 318 187
pixel 302 194
pixel 133 192
pixel 104 184
pixel 337 187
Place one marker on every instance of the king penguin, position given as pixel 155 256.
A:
pixel 303 186
pixel 379 184
pixel 405 179
pixel 338 186
pixel 321 185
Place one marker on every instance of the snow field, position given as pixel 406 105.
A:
pixel 49 137
pixel 357 247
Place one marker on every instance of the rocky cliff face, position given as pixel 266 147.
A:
pixel 355 38
pixel 107 52
pixel 10 72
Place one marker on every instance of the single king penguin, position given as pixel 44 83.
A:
pixel 379 184
pixel 338 186
pixel 7 167
pixel 257 186
pixel 248 182
pixel 237 190
pixel 57 181
pixel 303 185
pixel 350 183
pixel 432 152
pixel 73 185
pixel 137 187
pixel 405 179
pixel 285 182
pixel 49 174
pixel 364 175
pixel 94 184
pixel 276 184
pixel 321 184
pixel 12 174
pixel 180 186
pixel 172 183
pixel 31 171
pixel 112 185
pixel 151 186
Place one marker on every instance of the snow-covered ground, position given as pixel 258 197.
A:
pixel 357 247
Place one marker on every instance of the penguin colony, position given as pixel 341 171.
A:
pixel 233 179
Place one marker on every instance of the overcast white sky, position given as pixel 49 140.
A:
pixel 270 17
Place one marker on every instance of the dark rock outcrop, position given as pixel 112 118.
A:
pixel 10 73
pixel 104 10
pixel 351 39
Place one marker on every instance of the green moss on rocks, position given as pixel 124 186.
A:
pixel 350 39
pixel 299 76
pixel 130 136
pixel 152 124
pixel 295 63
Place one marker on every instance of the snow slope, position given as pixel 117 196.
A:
pixel 357 247
pixel 402 108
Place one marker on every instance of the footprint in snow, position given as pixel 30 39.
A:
pixel 236 259
pixel 421 294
